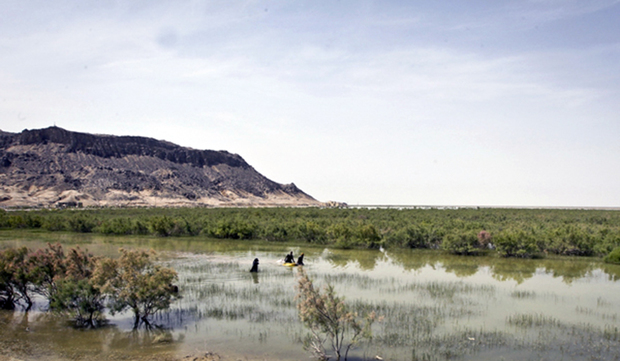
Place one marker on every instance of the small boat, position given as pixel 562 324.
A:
pixel 290 264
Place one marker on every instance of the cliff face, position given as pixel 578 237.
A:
pixel 56 167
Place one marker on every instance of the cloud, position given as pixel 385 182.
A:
pixel 407 102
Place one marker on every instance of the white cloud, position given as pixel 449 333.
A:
pixel 389 103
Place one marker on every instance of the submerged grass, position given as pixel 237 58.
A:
pixel 424 322
pixel 424 319
pixel 523 294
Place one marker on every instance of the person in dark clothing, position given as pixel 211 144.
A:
pixel 255 265
pixel 289 258
pixel 300 260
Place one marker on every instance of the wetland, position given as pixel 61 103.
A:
pixel 434 305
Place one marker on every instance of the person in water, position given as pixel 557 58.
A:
pixel 255 265
pixel 289 258
pixel 300 260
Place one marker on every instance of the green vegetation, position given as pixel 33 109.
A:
pixel 134 282
pixel 613 256
pixel 524 233
pixel 80 285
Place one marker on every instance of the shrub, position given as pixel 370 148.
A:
pixel 311 232
pixel 134 282
pixel 161 226
pixel 274 233
pixel 118 226
pixel 613 256
pixel 81 223
pixel 81 299
pixel 465 243
pixel 15 277
pixel 367 236
pixel 517 244
pixel 571 241
pixel 341 235
pixel 233 229
pixel 413 236
pixel 329 319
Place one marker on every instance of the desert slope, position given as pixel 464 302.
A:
pixel 54 167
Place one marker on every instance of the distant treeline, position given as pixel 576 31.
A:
pixel 511 232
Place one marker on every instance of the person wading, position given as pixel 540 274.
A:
pixel 289 258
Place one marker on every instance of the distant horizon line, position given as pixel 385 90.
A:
pixel 421 206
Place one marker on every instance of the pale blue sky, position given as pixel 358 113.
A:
pixel 496 103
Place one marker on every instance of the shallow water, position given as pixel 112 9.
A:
pixel 435 306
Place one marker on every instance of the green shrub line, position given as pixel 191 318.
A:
pixel 525 233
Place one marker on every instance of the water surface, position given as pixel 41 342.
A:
pixel 435 306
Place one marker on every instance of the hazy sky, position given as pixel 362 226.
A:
pixel 498 103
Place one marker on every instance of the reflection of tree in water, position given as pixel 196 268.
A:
pixel 568 269
pixel 612 270
pixel 519 270
pixel 413 260
pixel 462 270
pixel 502 269
pixel 365 259
pixel 28 335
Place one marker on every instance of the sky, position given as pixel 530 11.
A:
pixel 471 103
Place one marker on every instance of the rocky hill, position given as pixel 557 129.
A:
pixel 54 167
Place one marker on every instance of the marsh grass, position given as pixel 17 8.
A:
pixel 425 318
pixel 533 320
pixel 519 294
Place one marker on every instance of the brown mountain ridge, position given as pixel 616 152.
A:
pixel 54 167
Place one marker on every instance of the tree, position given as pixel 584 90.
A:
pixel 329 318
pixel 15 278
pixel 74 290
pixel 48 265
pixel 81 299
pixel 135 282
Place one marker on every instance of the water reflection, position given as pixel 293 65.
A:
pixel 42 333
pixel 437 306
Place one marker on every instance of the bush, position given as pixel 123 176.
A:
pixel 613 256
pixel 81 299
pixel 517 244
pixel 414 236
pixel 135 282
pixel 118 226
pixel 329 319
pixel 341 235
pixel 368 237
pixel 311 232
pixel 571 241
pixel 465 243
pixel 15 278
pixel 161 226
pixel 233 229
pixel 81 223
pixel 274 233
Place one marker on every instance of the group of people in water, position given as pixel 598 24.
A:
pixel 290 259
